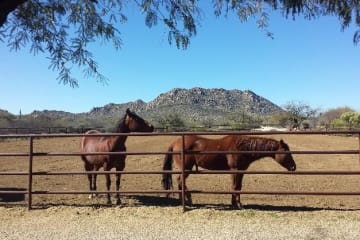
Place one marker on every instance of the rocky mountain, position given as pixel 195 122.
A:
pixel 116 110
pixel 51 114
pixel 216 99
pixel 196 106
pixel 212 106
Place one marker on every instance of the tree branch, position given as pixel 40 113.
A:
pixel 6 7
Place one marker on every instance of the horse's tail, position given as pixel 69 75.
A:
pixel 167 166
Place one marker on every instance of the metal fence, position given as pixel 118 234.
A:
pixel 44 130
pixel 31 155
pixel 167 128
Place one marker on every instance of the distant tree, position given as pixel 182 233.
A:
pixel 338 124
pixel 281 119
pixel 7 116
pixel 351 118
pixel 208 122
pixel 6 119
pixel 297 112
pixel 330 115
pixel 65 28
pixel 172 121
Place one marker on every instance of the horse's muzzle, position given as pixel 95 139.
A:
pixel 292 168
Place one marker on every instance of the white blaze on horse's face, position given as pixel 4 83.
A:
pixel 285 158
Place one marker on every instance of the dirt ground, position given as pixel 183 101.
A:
pixel 195 182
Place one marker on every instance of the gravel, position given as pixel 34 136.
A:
pixel 74 223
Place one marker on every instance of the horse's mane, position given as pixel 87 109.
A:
pixel 120 125
pixel 250 143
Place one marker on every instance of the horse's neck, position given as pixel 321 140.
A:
pixel 119 141
pixel 267 146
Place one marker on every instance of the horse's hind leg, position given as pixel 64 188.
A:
pixel 188 198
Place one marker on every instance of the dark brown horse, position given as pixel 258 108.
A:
pixel 129 123
pixel 223 161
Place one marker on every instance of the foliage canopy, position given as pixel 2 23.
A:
pixel 63 29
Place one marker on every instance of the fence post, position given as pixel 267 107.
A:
pixel 359 146
pixel 31 151
pixel 183 171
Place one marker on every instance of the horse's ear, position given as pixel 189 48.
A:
pixel 284 145
pixel 128 111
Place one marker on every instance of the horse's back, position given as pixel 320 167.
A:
pixel 94 144
pixel 88 141
pixel 177 145
pixel 210 161
pixel 93 131
pixel 199 143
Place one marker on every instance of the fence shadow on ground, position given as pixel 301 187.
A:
pixel 136 201
pixel 157 201
pixel 145 200
pixel 12 197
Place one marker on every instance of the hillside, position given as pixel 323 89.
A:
pixel 199 106
pixel 192 107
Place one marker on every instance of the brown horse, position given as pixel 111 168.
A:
pixel 223 161
pixel 129 123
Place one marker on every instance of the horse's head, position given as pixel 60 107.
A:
pixel 136 124
pixel 285 158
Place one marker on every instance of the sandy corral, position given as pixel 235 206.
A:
pixel 152 216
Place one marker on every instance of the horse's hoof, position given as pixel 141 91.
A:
pixel 92 195
pixel 118 202
pixel 109 202
pixel 236 206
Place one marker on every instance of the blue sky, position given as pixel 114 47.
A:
pixel 313 62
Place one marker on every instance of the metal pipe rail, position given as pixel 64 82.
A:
pixel 249 172
pixel 31 154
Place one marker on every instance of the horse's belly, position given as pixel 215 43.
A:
pixel 213 162
pixel 97 159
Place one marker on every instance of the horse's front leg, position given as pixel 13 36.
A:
pixel 108 184
pixel 90 185
pixel 236 186
pixel 91 178
pixel 94 177
pixel 118 178
pixel 120 166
